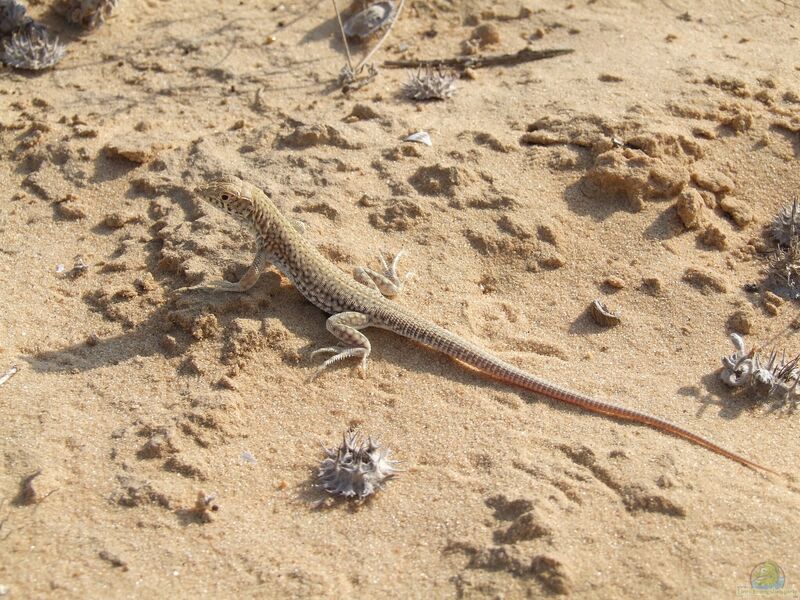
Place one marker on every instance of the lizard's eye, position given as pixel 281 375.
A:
pixel 225 196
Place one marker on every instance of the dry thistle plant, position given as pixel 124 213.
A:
pixel 86 13
pixel 784 263
pixel 432 84
pixel 767 377
pixel 31 48
pixel 12 16
pixel 358 467
pixel 785 223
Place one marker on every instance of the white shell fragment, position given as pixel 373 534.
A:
pixel 376 16
pixel 603 316
pixel 357 467
pixel 9 374
pixel 420 137
pixel 746 369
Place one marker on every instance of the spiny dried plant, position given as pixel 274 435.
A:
pixel 31 48
pixel 432 84
pixel 357 467
pixel 785 223
pixel 784 263
pixel 768 378
pixel 12 16
pixel 86 13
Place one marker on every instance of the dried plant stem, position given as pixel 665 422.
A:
pixel 383 38
pixel 8 374
pixel 344 37
pixel 476 62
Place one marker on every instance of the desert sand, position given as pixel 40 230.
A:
pixel 642 169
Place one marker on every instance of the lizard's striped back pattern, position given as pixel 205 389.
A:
pixel 356 306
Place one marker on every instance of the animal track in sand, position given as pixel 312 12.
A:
pixel 635 497
pixel 523 549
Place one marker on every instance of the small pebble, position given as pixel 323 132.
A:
pixel 226 383
pixel 486 35
pixel 741 321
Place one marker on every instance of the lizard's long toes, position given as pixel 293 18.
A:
pixel 326 350
pixel 340 354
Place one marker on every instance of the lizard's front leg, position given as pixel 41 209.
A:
pixel 248 280
pixel 388 282
pixel 345 326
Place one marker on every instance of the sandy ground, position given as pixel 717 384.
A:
pixel 641 169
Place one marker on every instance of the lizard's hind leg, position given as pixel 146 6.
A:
pixel 388 283
pixel 345 326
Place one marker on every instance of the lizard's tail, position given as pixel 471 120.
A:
pixel 479 359
pixel 533 384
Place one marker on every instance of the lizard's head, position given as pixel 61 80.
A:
pixel 234 197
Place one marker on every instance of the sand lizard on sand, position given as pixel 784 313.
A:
pixel 359 302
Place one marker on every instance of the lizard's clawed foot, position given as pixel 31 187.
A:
pixel 388 282
pixel 390 270
pixel 339 353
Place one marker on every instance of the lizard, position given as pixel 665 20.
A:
pixel 364 300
